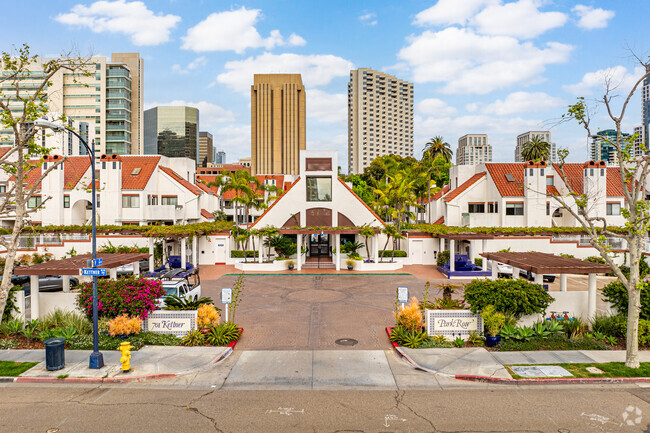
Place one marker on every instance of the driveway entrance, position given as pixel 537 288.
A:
pixel 309 312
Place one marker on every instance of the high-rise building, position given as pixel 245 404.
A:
pixel 219 157
pixel 109 100
pixel 473 149
pixel 206 149
pixel 380 117
pixel 638 141
pixel 602 147
pixel 172 132
pixel 645 115
pixel 527 136
pixel 278 130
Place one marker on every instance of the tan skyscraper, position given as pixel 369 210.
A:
pixel 380 117
pixel 277 123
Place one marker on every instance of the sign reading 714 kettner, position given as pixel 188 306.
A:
pixel 453 323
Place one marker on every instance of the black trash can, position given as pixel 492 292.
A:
pixel 54 354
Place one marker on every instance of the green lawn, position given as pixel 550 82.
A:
pixel 13 369
pixel 611 369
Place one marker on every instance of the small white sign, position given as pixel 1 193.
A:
pixel 402 295
pixel 177 323
pixel 453 323
pixel 226 295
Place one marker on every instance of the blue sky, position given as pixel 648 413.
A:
pixel 479 66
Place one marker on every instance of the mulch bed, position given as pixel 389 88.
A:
pixel 24 342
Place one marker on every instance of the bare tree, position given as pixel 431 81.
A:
pixel 633 172
pixel 24 82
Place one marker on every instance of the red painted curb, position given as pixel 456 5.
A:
pixel 554 380
pixel 116 379
pixel 389 329
pixel 232 344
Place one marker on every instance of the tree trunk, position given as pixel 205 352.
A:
pixel 392 256
pixel 10 259
pixel 384 250
pixel 367 248
pixel 633 308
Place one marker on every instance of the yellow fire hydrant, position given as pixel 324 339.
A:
pixel 125 348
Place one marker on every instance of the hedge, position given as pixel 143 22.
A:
pixel 517 297
pixel 616 294
pixel 388 253
pixel 239 254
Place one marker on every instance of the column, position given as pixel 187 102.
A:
pixel 195 252
pixel 66 283
pixel 34 293
pixel 337 239
pixel 591 311
pixel 375 248
pixel 136 269
pixel 183 253
pixel 260 259
pixel 515 273
pixel 452 255
pixel 495 269
pixel 539 279
pixel 151 248
pixel 563 282
pixel 113 273
pixel 298 249
pixel 471 252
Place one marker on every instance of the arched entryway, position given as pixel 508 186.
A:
pixel 81 212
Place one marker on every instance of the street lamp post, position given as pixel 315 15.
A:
pixel 96 358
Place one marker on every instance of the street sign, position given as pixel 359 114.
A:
pixel 226 295
pixel 402 295
pixel 97 262
pixel 93 272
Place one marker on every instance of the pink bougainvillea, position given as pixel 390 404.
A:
pixel 130 296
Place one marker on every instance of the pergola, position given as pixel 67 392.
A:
pixel 544 263
pixel 72 266
pixel 453 237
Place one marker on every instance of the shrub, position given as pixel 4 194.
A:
pixel 492 320
pixel 574 328
pixel 568 256
pixel 173 302
pixel 410 318
pixel 350 262
pixel 131 296
pixel 404 337
pixel 124 325
pixel 106 342
pixel 609 325
pixel 595 259
pixel 223 334
pixel 66 319
pixel 518 297
pixel 239 254
pixel 10 305
pixel 478 262
pixel 616 294
pixel 389 253
pixel 354 256
pixel 207 315
pixel 644 331
pixel 443 258
pixel 193 338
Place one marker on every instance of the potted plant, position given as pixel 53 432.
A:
pixel 290 264
pixel 350 264
pixel 493 322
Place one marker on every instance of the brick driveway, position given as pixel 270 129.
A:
pixel 305 312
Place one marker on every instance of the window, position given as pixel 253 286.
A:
pixel 34 201
pixel 319 189
pixel 613 208
pixel 550 180
pixel 66 201
pixel 493 207
pixel 548 208
pixel 3 189
pixel 514 208
pixel 476 208
pixel 152 200
pixel 169 200
pixel 130 201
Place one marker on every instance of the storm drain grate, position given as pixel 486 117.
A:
pixel 346 341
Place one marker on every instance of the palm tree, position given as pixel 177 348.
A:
pixel 438 146
pixel 389 230
pixel 367 232
pixel 240 182
pixel 536 149
pixel 269 232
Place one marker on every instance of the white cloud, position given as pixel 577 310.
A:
pixel 296 41
pixel 520 19
pixel 368 19
pixel 478 64
pixel 194 64
pixel 523 102
pixel 233 31
pixel 473 107
pixel 592 18
pixel 210 115
pixel 316 69
pixel 327 107
pixel 235 139
pixel 447 12
pixel 133 19
pixel 435 107
pixel 618 77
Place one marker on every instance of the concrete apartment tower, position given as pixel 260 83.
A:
pixel 527 136
pixel 473 149
pixel 206 149
pixel 278 131
pixel 380 117
pixel 109 100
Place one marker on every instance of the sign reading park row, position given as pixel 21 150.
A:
pixel 177 323
pixel 453 323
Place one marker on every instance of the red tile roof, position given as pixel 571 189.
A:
pixel 206 179
pixel 439 194
pixel 614 183
pixel 552 190
pixel 440 220
pixel 207 215
pixel 4 150
pixel 171 173
pixel 574 176
pixel 147 165
pixel 74 169
pixel 506 188
pixel 203 187
pixel 469 182
pixel 224 167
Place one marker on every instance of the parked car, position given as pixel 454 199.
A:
pixel 128 268
pixel 46 283
pixel 548 278
pixel 182 283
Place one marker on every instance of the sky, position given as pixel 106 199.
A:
pixel 495 67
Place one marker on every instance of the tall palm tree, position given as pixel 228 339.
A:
pixel 389 230
pixel 438 146
pixel 536 149
pixel 240 182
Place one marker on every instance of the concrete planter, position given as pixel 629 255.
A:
pixel 258 267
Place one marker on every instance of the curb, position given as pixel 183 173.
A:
pixel 538 381
pixel 115 379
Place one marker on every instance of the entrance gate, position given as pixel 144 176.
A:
pixel 320 255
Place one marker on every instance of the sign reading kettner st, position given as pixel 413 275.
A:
pixel 453 323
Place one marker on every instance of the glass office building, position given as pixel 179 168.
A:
pixel 172 132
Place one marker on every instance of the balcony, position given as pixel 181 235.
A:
pixel 118 72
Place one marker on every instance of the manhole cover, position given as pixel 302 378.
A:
pixel 346 342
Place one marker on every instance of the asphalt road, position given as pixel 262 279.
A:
pixel 141 408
